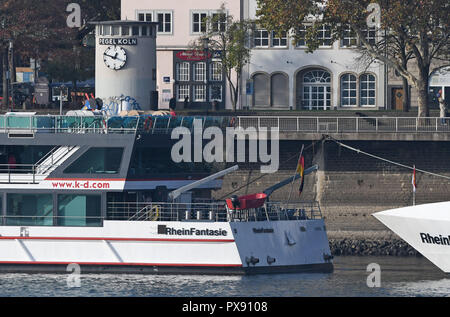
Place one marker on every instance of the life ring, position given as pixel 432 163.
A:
pixel 148 124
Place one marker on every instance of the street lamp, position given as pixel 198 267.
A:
pixel 206 50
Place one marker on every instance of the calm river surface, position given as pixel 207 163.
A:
pixel 399 277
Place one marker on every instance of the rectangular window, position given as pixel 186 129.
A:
pixel 135 31
pixel 324 36
pixel 215 93
pixel 145 16
pixel 183 71
pixel 199 22
pixel 279 41
pixel 370 35
pixel 125 30
pixel 182 92
pixel 144 31
pixel 200 72
pixel 29 210
pixel 216 71
pixel 349 38
pixel 107 30
pixel 165 22
pixel 219 22
pixel 79 210
pixel 301 36
pixel 116 30
pixel 199 93
pixel 261 38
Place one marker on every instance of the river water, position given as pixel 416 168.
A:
pixel 397 277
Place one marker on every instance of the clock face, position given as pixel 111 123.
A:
pixel 115 57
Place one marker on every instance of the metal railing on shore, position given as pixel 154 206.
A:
pixel 347 124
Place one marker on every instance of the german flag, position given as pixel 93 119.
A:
pixel 301 171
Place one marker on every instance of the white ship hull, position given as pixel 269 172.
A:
pixel 169 247
pixel 425 227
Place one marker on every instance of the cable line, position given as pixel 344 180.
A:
pixel 385 160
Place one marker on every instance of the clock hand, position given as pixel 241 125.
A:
pixel 112 56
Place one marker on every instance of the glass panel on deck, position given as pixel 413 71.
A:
pixel 79 210
pixel 29 210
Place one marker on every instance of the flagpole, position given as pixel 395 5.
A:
pixel 293 177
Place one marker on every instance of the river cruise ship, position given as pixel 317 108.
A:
pixel 95 191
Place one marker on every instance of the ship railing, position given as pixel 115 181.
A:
pixel 212 211
pixel 98 124
pixel 23 173
pixel 278 211
pixel 154 211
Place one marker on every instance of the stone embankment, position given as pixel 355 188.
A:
pixel 369 244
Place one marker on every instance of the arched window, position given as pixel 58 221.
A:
pixel 367 90
pixel 316 90
pixel 348 91
pixel 280 90
pixel 261 90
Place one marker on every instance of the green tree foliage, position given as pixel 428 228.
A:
pixel 39 30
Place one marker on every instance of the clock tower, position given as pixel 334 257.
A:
pixel 125 62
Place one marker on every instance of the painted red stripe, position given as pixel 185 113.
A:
pixel 116 239
pixel 122 264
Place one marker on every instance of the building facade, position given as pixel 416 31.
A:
pixel 280 75
pixel 182 72
pixel 439 83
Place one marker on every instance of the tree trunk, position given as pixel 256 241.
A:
pixel 423 110
pixel 406 97
pixel 422 86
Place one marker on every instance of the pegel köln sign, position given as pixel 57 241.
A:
pixel 117 41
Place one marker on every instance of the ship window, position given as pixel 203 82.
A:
pixel 97 161
pixel 79 210
pixel 29 210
